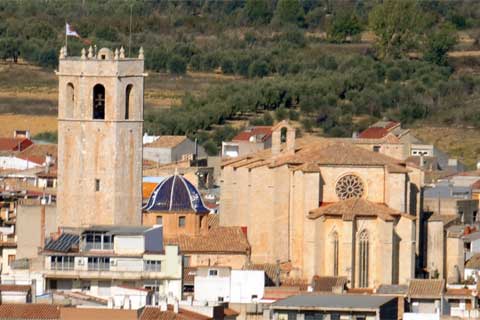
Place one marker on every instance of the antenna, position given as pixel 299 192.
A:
pixel 130 32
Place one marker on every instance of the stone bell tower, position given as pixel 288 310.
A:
pixel 100 122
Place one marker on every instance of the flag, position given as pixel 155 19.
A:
pixel 69 31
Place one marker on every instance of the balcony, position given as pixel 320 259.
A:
pixel 62 266
pixel 102 266
pixel 87 246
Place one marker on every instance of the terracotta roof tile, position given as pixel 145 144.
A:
pixel 277 293
pixel 426 288
pixel 319 151
pixel 15 288
pixel 373 133
pixel 456 293
pixel 328 284
pixel 37 152
pixel 166 142
pixel 154 313
pixel 217 239
pixel 14 144
pixel 263 132
pixel 213 220
pixel 350 208
pixel 447 219
pixel 97 314
pixel 29 311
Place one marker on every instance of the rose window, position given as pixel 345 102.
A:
pixel 349 186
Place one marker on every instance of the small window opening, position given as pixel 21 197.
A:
pixel 97 184
pixel 181 222
pixel 376 148
pixel 103 56
pixel 159 220
pixel 128 100
pixel 70 100
pixel 99 102
pixel 283 135
pixel 213 272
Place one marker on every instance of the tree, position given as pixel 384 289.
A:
pixel 177 65
pixel 289 12
pixel 438 44
pixel 344 25
pixel 210 148
pixel 258 11
pixel 258 68
pixel 398 26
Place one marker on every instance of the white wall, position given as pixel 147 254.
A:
pixel 210 288
pixel 246 283
pixel 16 163
pixel 129 244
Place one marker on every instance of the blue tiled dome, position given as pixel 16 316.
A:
pixel 176 194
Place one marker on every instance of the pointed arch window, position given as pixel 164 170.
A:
pixel 70 100
pixel 363 256
pixel 99 102
pixel 128 100
pixel 334 246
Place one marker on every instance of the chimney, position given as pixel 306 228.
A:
pixel 175 306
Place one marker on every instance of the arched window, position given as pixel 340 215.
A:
pixel 128 100
pixel 99 102
pixel 363 255
pixel 283 135
pixel 334 246
pixel 69 100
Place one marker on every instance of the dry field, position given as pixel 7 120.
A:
pixel 36 124
pixel 458 142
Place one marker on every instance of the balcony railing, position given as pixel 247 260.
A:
pixel 62 266
pixel 87 246
pixel 102 266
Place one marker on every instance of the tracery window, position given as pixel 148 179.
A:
pixel 349 186
pixel 363 255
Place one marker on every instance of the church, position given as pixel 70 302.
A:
pixel 325 207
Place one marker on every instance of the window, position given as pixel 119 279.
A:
pixel 61 263
pixel 349 186
pixel 334 246
pixel 97 184
pixel 69 100
pixel 99 102
pixel 212 272
pixel 159 220
pixel 475 213
pixel 97 241
pixel 98 263
pixel 376 148
pixel 181 221
pixel 152 265
pixel 11 258
pixel 283 135
pixel 363 259
pixel 128 100
pixel 49 183
pixel 186 261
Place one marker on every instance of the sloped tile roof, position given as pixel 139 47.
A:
pixel 327 284
pixel 13 144
pixel 37 152
pixel 166 142
pixel 319 151
pixel 426 288
pixel 396 289
pixel 216 240
pixel 373 133
pixel 262 131
pixel 97 313
pixel 29 311
pixel 154 313
pixel 351 208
